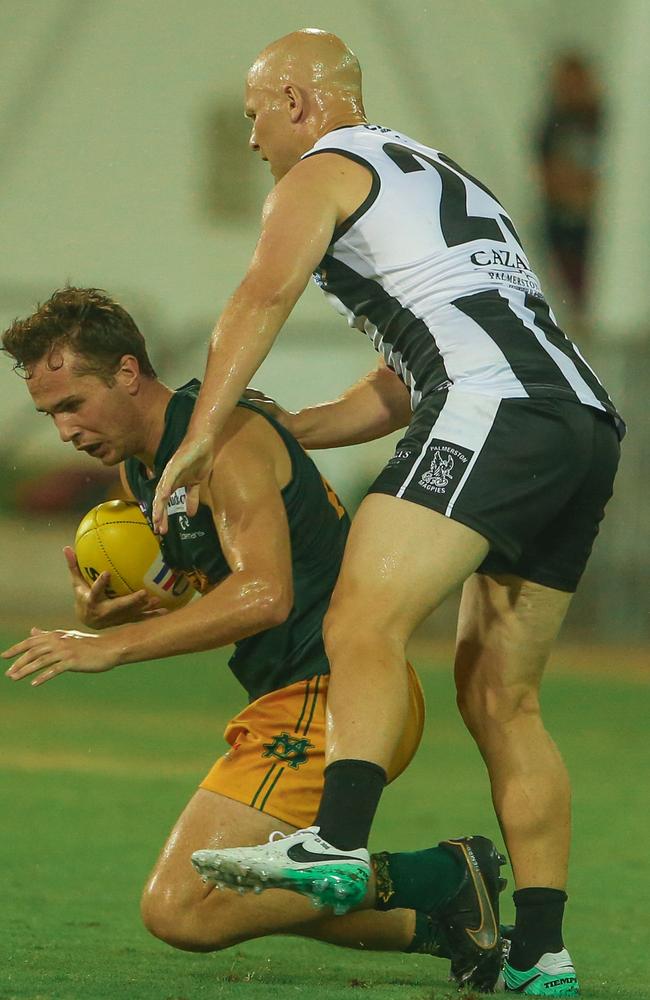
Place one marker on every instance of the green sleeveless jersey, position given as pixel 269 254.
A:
pixel 318 526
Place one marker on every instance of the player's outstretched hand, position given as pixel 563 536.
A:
pixel 96 609
pixel 48 654
pixel 188 467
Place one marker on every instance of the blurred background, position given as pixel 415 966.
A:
pixel 124 165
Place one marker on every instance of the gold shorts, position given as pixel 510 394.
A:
pixel 277 750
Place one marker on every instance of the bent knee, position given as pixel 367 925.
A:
pixel 338 617
pixel 346 627
pixel 182 924
pixel 337 632
pixel 167 920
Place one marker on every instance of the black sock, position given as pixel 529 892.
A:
pixel 416 880
pixel 428 938
pixel 538 926
pixel 350 798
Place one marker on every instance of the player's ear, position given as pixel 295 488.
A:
pixel 129 373
pixel 295 99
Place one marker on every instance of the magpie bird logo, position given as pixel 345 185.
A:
pixel 440 472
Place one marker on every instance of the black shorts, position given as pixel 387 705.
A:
pixel 532 476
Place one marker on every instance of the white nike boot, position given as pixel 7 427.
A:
pixel 302 862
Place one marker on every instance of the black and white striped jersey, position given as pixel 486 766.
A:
pixel 431 269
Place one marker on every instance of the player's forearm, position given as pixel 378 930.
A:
pixel 241 605
pixel 377 405
pixel 239 344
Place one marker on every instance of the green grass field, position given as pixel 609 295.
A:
pixel 94 771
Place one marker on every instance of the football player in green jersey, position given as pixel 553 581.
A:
pixel 264 549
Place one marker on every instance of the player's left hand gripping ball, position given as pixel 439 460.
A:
pixel 45 655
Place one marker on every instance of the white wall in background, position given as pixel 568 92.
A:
pixel 101 137
pixel 100 167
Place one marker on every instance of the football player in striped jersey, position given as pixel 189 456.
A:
pixel 498 484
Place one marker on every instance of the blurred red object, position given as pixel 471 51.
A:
pixel 67 489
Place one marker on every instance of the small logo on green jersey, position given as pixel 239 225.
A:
pixel 287 748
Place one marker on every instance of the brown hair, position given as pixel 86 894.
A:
pixel 85 320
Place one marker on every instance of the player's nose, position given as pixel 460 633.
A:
pixel 65 427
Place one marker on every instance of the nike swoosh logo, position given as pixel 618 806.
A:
pixel 486 935
pixel 569 977
pixel 298 853
pixel 522 986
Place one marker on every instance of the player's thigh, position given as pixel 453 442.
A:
pixel 506 630
pixel 209 820
pixel 401 561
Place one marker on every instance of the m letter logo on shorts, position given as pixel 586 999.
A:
pixel 447 463
pixel 289 749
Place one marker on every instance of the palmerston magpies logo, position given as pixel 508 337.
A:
pixel 446 465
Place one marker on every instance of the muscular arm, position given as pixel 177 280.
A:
pixel 244 493
pixel 377 405
pixel 297 226
pixel 252 526
pixel 298 222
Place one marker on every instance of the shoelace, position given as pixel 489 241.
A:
pixel 278 835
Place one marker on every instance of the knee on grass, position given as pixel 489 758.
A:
pixel 185 924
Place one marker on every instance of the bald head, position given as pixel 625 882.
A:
pixel 314 59
pixel 298 89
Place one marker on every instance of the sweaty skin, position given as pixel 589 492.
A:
pixel 320 76
pixel 112 422
pixel 298 89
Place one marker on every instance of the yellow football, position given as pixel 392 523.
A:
pixel 115 536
